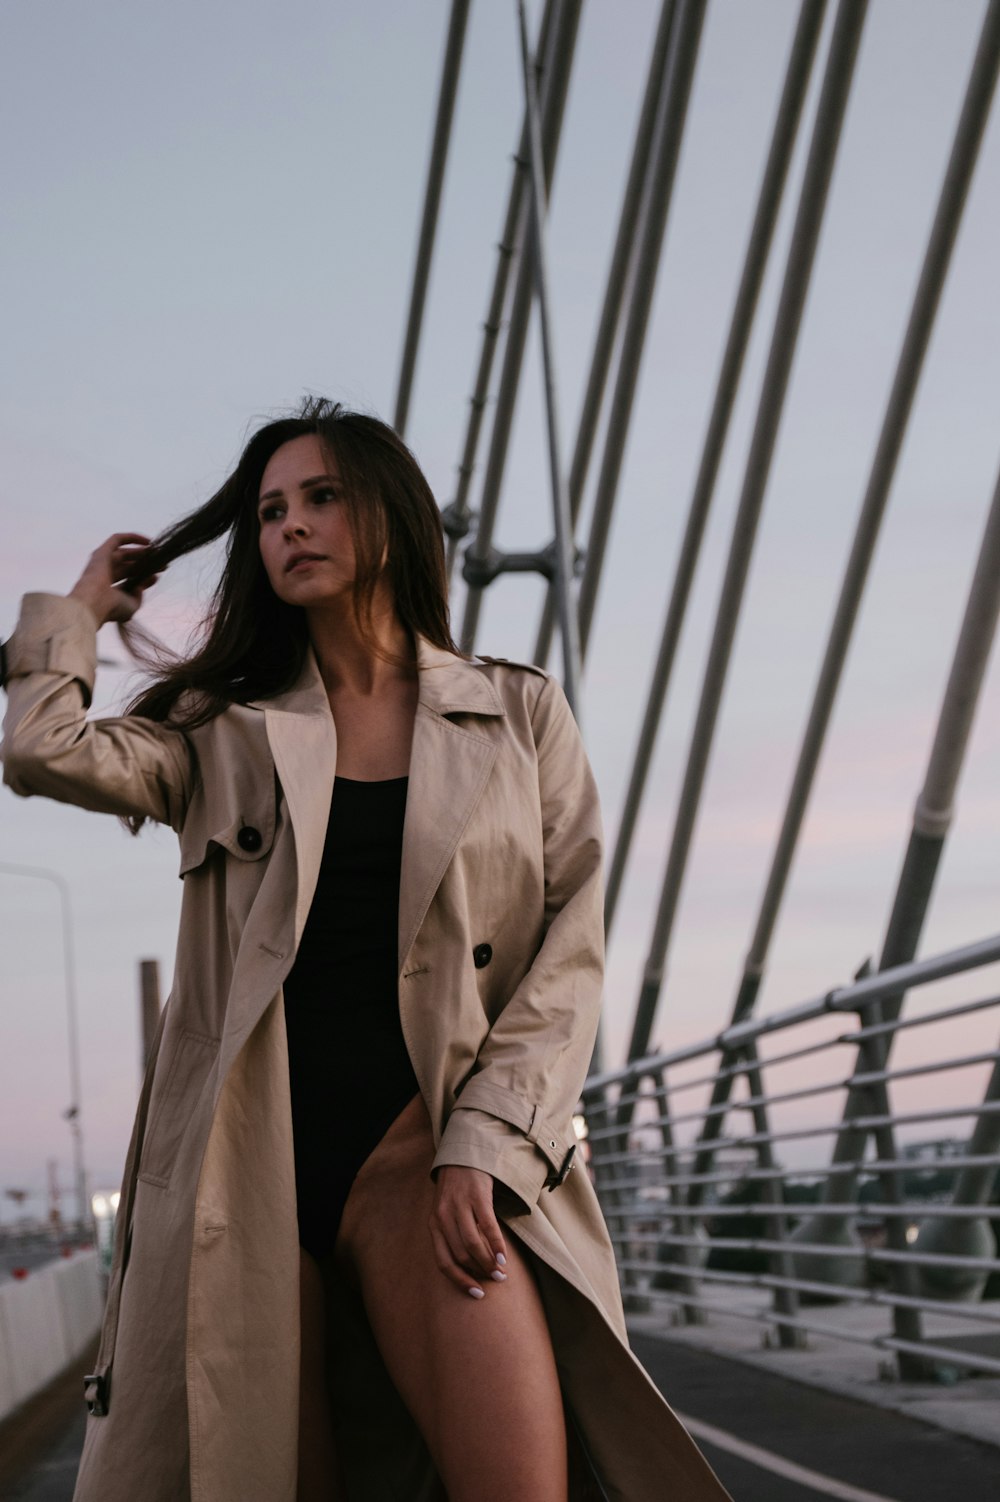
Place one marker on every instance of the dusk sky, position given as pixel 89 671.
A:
pixel 212 210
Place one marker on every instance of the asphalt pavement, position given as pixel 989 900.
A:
pixel 40 1444
pixel 781 1441
pixel 769 1438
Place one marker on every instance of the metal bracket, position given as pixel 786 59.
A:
pixel 457 520
pixel 554 1181
pixel 480 569
pixel 96 1392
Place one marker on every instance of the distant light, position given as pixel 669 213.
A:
pixel 99 1205
pixel 115 1198
pixel 912 1232
pixel 581 1128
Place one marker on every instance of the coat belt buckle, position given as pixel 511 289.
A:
pixel 560 1176
pixel 95 1388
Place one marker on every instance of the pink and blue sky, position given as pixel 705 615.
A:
pixel 212 210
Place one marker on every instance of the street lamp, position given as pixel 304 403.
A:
pixel 72 1114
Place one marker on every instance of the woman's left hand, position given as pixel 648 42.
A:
pixel 468 1244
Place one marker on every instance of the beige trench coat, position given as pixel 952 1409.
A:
pixel 502 856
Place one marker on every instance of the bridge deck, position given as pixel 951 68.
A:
pixel 771 1439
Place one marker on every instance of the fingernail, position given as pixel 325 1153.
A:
pixel 477 1293
pixel 501 1259
pixel 499 1277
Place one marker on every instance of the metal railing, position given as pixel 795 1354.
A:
pixel 706 1224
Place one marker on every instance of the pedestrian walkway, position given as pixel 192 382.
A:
pixel 770 1438
pixel 774 1439
pixel 52 1476
pixel 40 1444
pixel 853 1366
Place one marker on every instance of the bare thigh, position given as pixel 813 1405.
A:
pixel 478 1376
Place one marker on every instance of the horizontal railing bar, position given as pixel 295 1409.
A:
pixel 848 998
pixel 858 1123
pixel 914 1071
pixel 802 1209
pixel 872 1166
pixel 869 1123
pixel 601 1107
pixel 871 1211
pixel 648 1091
pixel 883 1342
pixel 774 1061
pixel 763 1316
pixel 807 1092
pixel 771 1281
pixel 973 1361
pixel 924 1019
pixel 734 1071
pixel 826 1248
pixel 870 1077
pixel 728 1071
pixel 654 1155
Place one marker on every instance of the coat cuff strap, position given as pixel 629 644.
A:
pixel 481 1094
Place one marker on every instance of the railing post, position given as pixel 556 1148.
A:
pixel 948 1236
pixel 906 1280
pixel 780 1264
pixel 608 1176
pixel 683 1222
pixel 907 1323
pixel 921 860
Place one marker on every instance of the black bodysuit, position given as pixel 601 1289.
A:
pixel 350 1071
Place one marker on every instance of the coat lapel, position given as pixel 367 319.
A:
pixel 303 741
pixel 449 768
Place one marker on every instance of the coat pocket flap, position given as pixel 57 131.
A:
pixel 244 830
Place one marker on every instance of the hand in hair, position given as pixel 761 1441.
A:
pixel 110 584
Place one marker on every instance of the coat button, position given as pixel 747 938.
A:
pixel 482 954
pixel 249 838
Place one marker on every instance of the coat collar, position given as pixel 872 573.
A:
pixel 448 685
pixel 450 765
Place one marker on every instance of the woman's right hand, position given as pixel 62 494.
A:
pixel 102 585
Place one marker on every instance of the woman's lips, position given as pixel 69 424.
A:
pixel 302 563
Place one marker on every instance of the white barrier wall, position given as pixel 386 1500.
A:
pixel 46 1321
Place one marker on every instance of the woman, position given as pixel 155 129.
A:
pixel 339 1270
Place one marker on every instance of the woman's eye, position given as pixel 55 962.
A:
pixel 267 512
pixel 324 494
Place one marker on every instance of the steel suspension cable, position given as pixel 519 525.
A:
pixel 669 131
pixel 607 330
pixel 565 25
pixel 805 236
pixel 457 515
pixel 798 72
pixel 432 203
pixel 937 258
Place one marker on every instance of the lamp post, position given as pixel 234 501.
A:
pixel 72 1113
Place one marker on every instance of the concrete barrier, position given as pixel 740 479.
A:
pixel 46 1322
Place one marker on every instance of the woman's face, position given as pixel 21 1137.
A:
pixel 301 515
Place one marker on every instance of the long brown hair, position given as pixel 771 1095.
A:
pixel 252 644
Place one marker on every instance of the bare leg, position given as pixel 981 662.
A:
pixel 478 1376
pixel 319 1473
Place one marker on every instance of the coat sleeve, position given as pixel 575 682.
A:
pixel 514 1116
pixel 118 765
